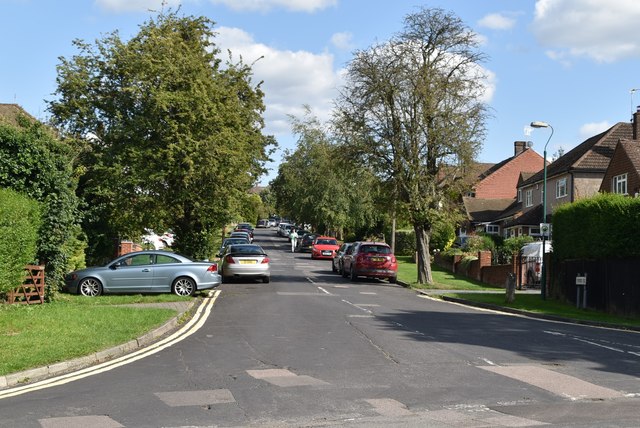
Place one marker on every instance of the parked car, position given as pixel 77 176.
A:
pixel 306 242
pixel 241 234
pixel 244 227
pixel 245 261
pixel 370 259
pixel 324 247
pixel 231 241
pixel 262 223
pixel 532 260
pixel 336 262
pixel 283 229
pixel 145 272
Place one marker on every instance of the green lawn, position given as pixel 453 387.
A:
pixel 73 326
pixel 444 280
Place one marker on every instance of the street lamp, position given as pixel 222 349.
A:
pixel 544 228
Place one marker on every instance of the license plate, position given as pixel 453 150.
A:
pixel 377 259
pixel 248 262
pixel 326 253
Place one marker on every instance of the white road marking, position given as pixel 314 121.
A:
pixel 356 306
pixel 198 320
pixel 324 291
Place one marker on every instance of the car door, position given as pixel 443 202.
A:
pixel 131 274
pixel 347 259
pixel 165 270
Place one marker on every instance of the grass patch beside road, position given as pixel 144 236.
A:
pixel 444 280
pixel 73 326
pixel 534 303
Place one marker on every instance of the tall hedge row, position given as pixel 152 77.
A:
pixel 604 226
pixel 19 224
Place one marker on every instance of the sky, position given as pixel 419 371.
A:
pixel 573 64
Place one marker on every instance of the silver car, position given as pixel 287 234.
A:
pixel 245 261
pixel 145 272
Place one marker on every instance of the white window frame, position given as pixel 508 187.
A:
pixel 492 229
pixel 519 195
pixel 619 184
pixel 529 198
pixel 561 188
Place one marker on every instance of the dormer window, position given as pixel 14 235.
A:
pixel 619 184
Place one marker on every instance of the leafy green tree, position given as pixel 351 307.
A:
pixel 172 134
pixel 411 111
pixel 36 163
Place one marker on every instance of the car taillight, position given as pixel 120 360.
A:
pixel 360 258
pixel 229 259
pixel 393 259
pixel 212 268
pixel 265 260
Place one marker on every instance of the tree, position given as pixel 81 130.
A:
pixel 315 182
pixel 172 135
pixel 36 163
pixel 411 111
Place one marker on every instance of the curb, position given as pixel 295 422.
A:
pixel 55 369
pixel 527 314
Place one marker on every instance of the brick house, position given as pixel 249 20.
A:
pixel 623 174
pixel 575 175
pixel 495 190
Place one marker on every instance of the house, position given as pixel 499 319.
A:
pixel 575 175
pixel 495 190
pixel 10 114
pixel 623 174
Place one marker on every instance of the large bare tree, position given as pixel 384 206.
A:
pixel 412 110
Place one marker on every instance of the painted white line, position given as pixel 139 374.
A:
pixel 491 363
pixel 198 320
pixel 598 345
pixel 356 306
pixel 310 280
pixel 324 291
pixel 370 293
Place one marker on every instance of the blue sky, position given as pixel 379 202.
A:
pixel 571 63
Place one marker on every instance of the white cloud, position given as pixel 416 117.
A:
pixel 497 21
pixel 604 31
pixel 343 41
pixel 291 78
pixel 135 5
pixel 265 5
pixel 588 130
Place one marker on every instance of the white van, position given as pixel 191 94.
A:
pixel 532 260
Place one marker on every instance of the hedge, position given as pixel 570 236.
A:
pixel 604 226
pixel 19 224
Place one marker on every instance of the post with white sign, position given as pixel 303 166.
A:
pixel 581 291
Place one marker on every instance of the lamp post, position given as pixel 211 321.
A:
pixel 543 279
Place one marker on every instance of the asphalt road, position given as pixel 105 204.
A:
pixel 314 349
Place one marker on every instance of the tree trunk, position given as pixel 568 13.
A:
pixel 422 250
pixel 393 233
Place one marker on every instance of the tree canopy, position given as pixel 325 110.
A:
pixel 171 133
pixel 411 110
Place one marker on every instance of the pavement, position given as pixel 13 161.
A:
pixel 40 373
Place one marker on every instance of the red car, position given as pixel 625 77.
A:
pixel 324 247
pixel 370 259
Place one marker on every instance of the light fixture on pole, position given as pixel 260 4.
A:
pixel 544 227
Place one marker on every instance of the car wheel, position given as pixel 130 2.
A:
pixel 333 267
pixel 184 286
pixel 90 287
pixel 343 272
pixel 353 274
pixel 393 279
pixel 266 279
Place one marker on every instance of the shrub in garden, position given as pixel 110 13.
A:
pixel 19 224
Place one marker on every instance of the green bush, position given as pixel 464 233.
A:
pixel 19 224
pixel 477 243
pixel 511 246
pixel 604 226
pixel 405 243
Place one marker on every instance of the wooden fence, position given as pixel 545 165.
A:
pixel 32 289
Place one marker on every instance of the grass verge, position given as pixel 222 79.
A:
pixel 444 280
pixel 73 326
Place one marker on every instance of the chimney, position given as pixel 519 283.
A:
pixel 636 124
pixel 520 146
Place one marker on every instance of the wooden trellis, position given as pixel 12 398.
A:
pixel 32 289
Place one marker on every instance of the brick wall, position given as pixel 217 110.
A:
pixel 126 247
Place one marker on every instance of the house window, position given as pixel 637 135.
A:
pixel 561 188
pixel 534 231
pixel 619 184
pixel 529 198
pixel 493 229
pixel 519 195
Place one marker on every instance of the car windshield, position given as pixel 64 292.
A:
pixel 326 242
pixel 375 249
pixel 246 250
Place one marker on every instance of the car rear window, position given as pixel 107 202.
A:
pixel 246 250
pixel 375 249
pixel 327 242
